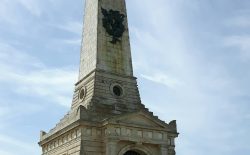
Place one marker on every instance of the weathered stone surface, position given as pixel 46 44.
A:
pixel 97 50
pixel 137 130
pixel 107 116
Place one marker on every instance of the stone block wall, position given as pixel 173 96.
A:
pixel 68 143
pixel 99 93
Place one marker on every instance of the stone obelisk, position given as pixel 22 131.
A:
pixel 107 116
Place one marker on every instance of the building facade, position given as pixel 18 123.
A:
pixel 107 116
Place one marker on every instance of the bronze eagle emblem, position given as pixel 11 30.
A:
pixel 113 23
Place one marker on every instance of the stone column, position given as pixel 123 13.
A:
pixel 171 151
pixel 164 150
pixel 111 148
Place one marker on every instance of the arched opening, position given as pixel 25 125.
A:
pixel 135 150
pixel 134 153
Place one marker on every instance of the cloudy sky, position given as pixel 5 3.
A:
pixel 191 57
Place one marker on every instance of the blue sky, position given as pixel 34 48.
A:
pixel 191 57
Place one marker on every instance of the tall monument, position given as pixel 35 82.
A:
pixel 107 116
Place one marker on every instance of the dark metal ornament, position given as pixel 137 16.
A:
pixel 113 23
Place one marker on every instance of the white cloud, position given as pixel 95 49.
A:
pixel 10 110
pixel 241 42
pixel 204 88
pixel 162 78
pixel 74 27
pixel 72 41
pixel 6 152
pixel 31 77
pixel 11 57
pixel 53 84
pixel 241 21
pixel 10 10
pixel 13 146
pixel 247 116
pixel 7 11
pixel 32 6
pixel 4 111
